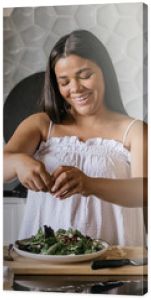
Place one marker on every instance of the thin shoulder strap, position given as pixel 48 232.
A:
pixel 127 130
pixel 49 131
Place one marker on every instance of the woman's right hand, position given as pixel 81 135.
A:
pixel 33 174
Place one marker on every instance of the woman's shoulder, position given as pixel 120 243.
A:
pixel 138 130
pixel 125 122
pixel 130 129
pixel 40 116
pixel 134 130
pixel 41 122
pixel 133 125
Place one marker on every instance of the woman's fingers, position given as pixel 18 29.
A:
pixel 69 180
pixel 60 170
pixel 66 188
pixel 39 183
pixel 31 186
pixel 33 174
pixel 61 180
pixel 69 193
pixel 47 179
pixel 42 177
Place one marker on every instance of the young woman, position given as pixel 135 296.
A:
pixel 83 159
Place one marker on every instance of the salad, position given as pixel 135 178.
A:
pixel 61 242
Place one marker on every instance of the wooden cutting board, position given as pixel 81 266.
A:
pixel 23 265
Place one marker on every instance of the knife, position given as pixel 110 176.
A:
pixel 110 263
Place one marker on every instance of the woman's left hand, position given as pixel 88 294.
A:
pixel 69 181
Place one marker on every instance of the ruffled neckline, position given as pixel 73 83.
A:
pixel 77 140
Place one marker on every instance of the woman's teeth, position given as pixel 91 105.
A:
pixel 81 99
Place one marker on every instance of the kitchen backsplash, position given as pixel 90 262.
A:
pixel 30 33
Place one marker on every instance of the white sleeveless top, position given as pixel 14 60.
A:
pixel 97 157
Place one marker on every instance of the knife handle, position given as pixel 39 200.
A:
pixel 109 263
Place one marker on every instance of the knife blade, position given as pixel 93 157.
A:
pixel 111 263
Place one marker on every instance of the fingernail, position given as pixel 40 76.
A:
pixel 57 196
pixel 53 189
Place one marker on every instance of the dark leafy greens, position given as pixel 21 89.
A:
pixel 61 242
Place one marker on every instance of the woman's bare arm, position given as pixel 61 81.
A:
pixel 24 141
pixel 18 154
pixel 125 192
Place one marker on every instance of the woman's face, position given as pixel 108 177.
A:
pixel 81 84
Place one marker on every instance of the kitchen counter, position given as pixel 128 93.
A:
pixel 30 274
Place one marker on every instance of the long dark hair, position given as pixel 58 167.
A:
pixel 86 45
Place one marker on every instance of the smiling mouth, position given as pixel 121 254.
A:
pixel 82 99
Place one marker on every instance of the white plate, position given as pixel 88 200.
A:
pixel 62 258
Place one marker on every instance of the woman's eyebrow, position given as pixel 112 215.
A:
pixel 62 77
pixel 77 73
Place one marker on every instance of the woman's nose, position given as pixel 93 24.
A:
pixel 75 86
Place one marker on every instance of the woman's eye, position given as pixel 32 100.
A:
pixel 86 75
pixel 63 83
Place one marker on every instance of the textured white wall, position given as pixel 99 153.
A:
pixel 30 33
